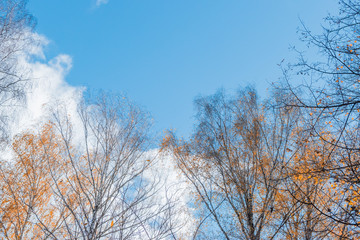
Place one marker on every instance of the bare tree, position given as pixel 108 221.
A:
pixel 88 182
pixel 236 162
pixel 16 25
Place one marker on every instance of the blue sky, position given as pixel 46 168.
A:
pixel 164 53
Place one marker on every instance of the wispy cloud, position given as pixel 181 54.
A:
pixel 101 2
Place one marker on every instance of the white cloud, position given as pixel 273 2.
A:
pixel 101 2
pixel 47 87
